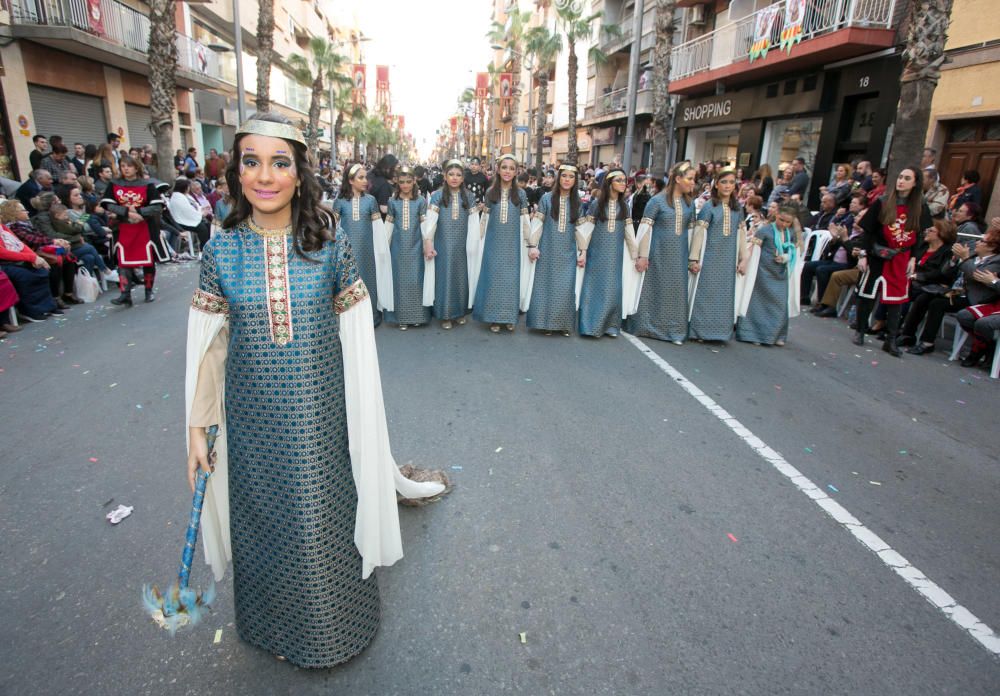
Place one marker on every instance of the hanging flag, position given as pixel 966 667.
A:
pixel 382 77
pixel 95 18
pixel 453 121
pixel 482 86
pixel 358 71
pixel 506 87
pixel 762 31
pixel 791 33
pixel 402 122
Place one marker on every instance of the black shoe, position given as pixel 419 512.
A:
pixel 890 347
pixel 826 312
pixel 150 297
pixel 882 335
pixel 69 299
pixel 973 358
pixel 859 338
pixel 921 349
pixel 125 299
pixel 906 341
pixel 853 326
pixel 56 312
pixel 31 319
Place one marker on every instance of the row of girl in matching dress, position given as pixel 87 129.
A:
pixel 673 278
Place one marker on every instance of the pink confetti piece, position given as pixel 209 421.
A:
pixel 778 387
pixel 732 538
pixel 93 460
pixel 874 363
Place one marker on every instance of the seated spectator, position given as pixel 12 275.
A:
pixel 103 180
pixel 782 189
pixel 931 275
pixel 862 176
pixel 95 232
pixel 968 191
pixel 186 213
pixel 78 160
pixel 197 194
pixel 8 299
pixel 976 284
pixel 846 252
pixel 827 211
pixel 763 181
pixel 225 204
pixel 57 162
pixel 841 185
pixel 53 219
pixel 836 257
pixel 89 153
pixel 983 320
pixel 56 252
pixel 935 193
pixel 966 217
pixel 39 181
pixel 878 186
pixel 29 273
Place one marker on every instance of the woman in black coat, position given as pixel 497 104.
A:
pixel 931 274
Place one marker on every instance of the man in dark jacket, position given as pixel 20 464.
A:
pixel 40 180
pixel 475 180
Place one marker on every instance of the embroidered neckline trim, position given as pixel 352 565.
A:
pixel 265 232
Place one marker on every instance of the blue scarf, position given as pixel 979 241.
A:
pixel 785 248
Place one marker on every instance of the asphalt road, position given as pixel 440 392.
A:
pixel 639 544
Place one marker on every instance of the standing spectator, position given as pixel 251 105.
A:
pixel 213 165
pixel 935 193
pixel 105 157
pixel 476 181
pixel 968 191
pixel 41 149
pixel 863 175
pixel 763 181
pixel 800 179
pixel 149 159
pixel 783 189
pixel 57 162
pixel 40 180
pixel 191 163
pixel 79 159
pixel 380 182
pixel 640 198
pixel 179 162
pixel 114 141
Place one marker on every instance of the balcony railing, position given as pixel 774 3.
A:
pixel 617 102
pixel 610 44
pixel 731 43
pixel 118 24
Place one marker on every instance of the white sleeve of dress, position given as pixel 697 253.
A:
pixel 584 231
pixel 428 228
pixel 383 264
pixel 203 327
pixel 376 477
pixel 745 284
pixel 472 254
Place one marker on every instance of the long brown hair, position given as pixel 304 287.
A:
pixel 678 170
pixel 734 203
pixel 493 194
pixel 574 198
pixel 914 204
pixel 621 211
pixel 311 220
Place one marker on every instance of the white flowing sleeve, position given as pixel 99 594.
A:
pixel 206 320
pixel 527 265
pixel 428 228
pixel 631 278
pixel 745 283
pixel 584 231
pixel 376 476
pixel 696 252
pixel 383 264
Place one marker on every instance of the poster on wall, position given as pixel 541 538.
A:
pixel 95 18
pixel 791 33
pixel 762 32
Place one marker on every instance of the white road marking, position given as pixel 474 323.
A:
pixel 930 590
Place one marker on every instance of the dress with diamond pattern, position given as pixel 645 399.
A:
pixel 601 294
pixel 356 219
pixel 553 295
pixel 292 498
pixel 766 320
pixel 407 248
pixel 498 292
pixel 714 310
pixel 663 304
pixel 451 267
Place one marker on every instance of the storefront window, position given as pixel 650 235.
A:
pixel 715 143
pixel 786 140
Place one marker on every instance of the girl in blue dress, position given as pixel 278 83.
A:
pixel 358 211
pixel 445 241
pixel 601 295
pixel 406 211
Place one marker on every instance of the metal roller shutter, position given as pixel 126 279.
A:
pixel 138 118
pixel 78 118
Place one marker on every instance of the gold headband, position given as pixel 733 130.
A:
pixel 569 168
pixel 285 131
pixel 453 163
pixel 682 167
pixel 724 171
pixel 353 170
pixel 508 156
pixel 616 174
pixel 404 170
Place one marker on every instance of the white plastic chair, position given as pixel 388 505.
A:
pixel 958 341
pixel 823 238
pixel 995 370
pixel 12 314
pixel 845 300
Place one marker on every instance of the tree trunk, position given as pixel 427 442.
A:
pixel 923 56
pixel 312 142
pixel 162 90
pixel 265 53
pixel 543 99
pixel 573 154
pixel 515 102
pixel 334 146
pixel 490 127
pixel 661 84
pixel 482 129
pixel 357 149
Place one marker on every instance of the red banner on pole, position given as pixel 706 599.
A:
pixel 359 77
pixel 482 85
pixel 402 123
pixel 382 76
pixel 507 86
pixel 454 124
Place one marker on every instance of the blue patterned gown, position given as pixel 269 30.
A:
pixel 451 267
pixel 553 295
pixel 292 498
pixel 766 320
pixel 407 248
pixel 713 314
pixel 663 304
pixel 356 216
pixel 498 292
pixel 601 295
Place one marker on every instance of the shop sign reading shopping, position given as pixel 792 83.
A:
pixel 709 111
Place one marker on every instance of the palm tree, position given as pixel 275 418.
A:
pixel 577 27
pixel 491 125
pixel 342 104
pixel 355 131
pixel 923 56
pixel 326 64
pixel 665 28
pixel 511 34
pixel 162 91
pixel 544 46
pixel 265 53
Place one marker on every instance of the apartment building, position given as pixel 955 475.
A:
pixel 752 93
pixel 965 112
pixel 79 68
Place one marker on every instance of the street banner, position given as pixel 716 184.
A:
pixel 506 87
pixel 482 86
pixel 382 77
pixel 95 18
pixel 762 31
pixel 358 72
pixel 453 122
pixel 791 33
pixel 402 123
